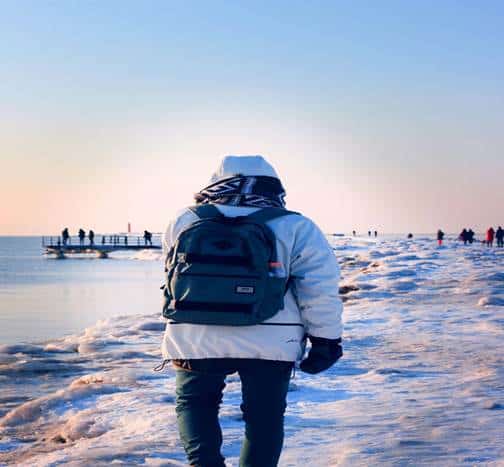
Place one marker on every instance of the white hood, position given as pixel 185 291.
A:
pixel 243 165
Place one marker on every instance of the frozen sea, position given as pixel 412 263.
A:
pixel 421 381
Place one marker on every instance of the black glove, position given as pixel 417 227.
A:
pixel 323 354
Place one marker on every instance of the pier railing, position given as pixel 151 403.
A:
pixel 106 240
pixel 101 244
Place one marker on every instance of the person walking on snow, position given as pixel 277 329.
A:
pixel 464 236
pixel 499 235
pixel 440 237
pixel 470 236
pixel 245 195
pixel 490 236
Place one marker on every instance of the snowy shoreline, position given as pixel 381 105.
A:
pixel 420 382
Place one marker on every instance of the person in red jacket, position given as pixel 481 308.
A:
pixel 490 236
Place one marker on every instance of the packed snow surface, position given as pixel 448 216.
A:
pixel 421 381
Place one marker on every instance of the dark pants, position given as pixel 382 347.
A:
pixel 199 393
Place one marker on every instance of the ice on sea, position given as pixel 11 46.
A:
pixel 421 381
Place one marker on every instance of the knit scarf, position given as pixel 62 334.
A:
pixel 240 190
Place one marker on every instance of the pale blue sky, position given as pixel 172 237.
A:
pixel 384 115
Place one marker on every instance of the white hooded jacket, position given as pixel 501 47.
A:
pixel 312 304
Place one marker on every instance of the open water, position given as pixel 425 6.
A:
pixel 43 298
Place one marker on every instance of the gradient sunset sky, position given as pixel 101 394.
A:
pixel 377 115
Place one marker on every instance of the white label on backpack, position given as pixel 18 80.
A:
pixel 246 289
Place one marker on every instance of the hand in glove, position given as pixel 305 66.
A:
pixel 323 354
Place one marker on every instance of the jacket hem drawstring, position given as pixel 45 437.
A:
pixel 161 366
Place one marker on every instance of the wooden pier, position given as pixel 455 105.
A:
pixel 101 248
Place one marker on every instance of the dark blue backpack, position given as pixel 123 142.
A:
pixel 225 270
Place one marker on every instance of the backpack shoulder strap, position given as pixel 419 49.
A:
pixel 267 214
pixel 206 211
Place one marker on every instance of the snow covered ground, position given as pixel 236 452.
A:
pixel 421 381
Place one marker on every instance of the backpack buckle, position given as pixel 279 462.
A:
pixel 181 257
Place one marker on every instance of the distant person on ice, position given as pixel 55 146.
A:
pixel 91 237
pixel 440 237
pixel 259 286
pixel 82 236
pixel 470 236
pixel 490 236
pixel 464 236
pixel 499 235
pixel 147 238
